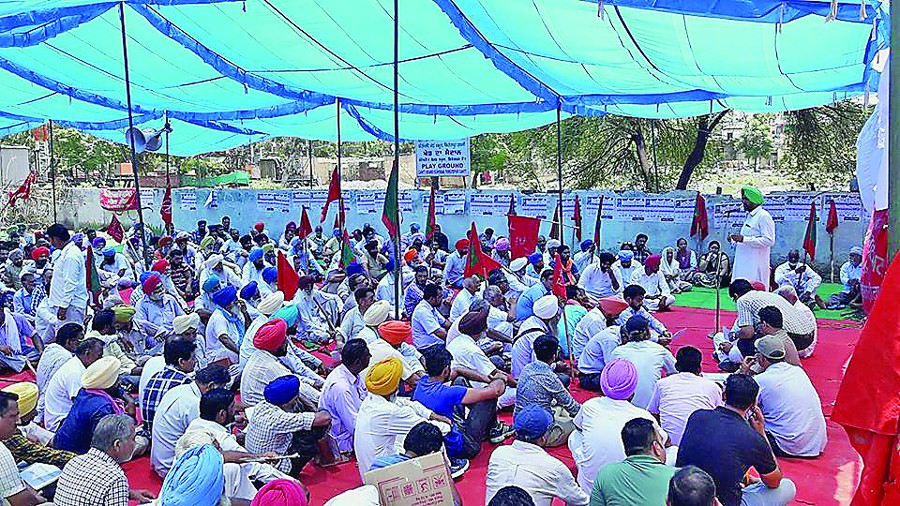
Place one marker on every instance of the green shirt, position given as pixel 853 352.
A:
pixel 639 479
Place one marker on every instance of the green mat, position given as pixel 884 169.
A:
pixel 705 298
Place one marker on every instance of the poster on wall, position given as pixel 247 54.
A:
pixel 535 206
pixel 848 206
pixel 630 209
pixel 148 198
pixel 729 214
pixel 446 202
pixel 188 201
pixel 311 199
pixel 684 210
pixel 271 202
pixel 373 202
pixel 593 203
pixel 488 204
pixel 443 158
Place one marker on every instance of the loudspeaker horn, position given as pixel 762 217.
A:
pixel 146 140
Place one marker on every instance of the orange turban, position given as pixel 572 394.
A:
pixel 395 331
pixel 271 335
pixel 410 255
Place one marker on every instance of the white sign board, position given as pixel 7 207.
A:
pixel 443 158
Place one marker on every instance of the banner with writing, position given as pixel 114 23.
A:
pixel 443 158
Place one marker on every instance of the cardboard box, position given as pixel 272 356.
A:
pixel 422 481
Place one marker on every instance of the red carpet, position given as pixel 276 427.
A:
pixel 830 479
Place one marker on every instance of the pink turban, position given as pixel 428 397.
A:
pixel 281 493
pixel 619 379
pixel 160 265
pixel 271 335
pixel 502 244
pixel 652 262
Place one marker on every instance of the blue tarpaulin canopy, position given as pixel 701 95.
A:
pixel 228 72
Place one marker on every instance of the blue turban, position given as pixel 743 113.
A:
pixel 336 232
pixel 290 314
pixel 389 266
pixel 196 479
pixel 223 297
pixel 144 275
pixel 586 244
pixel 415 226
pixel 282 390
pixel 256 254
pixel 98 242
pixel 249 290
pixel 534 258
pixel 532 421
pixel 108 252
pixel 354 268
pixel 209 285
pixel 626 255
pixel 270 274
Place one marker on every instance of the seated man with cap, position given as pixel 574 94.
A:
pixel 794 423
pixel 344 391
pixel 99 396
pixel 215 265
pixel 264 366
pixel 113 268
pixel 649 358
pixel 540 385
pixel 103 327
pixel 282 425
pixel 455 266
pixel 30 442
pixel 542 322
pixel 597 440
pixel 518 281
pixel 475 404
pixel 586 254
pixel 601 316
pixel 383 417
pixel 392 341
pixel 851 272
pixel 625 265
pixel 634 296
pixel 599 279
pixel 226 327
pixel 799 275
pixel 15 348
pixel 657 296
pixel 527 465
pixel 157 309
pixel 24 297
pixel 805 313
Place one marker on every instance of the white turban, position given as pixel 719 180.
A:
pixel 271 303
pixel 553 243
pixel 182 324
pixel 377 313
pixel 213 261
pixel 518 264
pixel 546 307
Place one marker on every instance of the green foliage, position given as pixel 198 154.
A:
pixel 203 167
pixel 820 144
pixel 756 139
pixel 78 153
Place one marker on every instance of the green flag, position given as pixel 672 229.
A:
pixel 391 205
pixel 347 254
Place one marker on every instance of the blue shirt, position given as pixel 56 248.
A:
pixel 454 268
pixel 526 301
pixel 388 460
pixel 25 331
pixel 439 397
pixel 77 429
pixel 22 302
pixel 426 320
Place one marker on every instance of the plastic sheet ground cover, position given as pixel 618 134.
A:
pixel 228 72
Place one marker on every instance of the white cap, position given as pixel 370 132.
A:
pixel 518 264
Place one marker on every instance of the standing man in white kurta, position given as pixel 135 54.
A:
pixel 753 245
pixel 68 297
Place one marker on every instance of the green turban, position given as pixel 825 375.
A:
pixel 753 195
pixel 206 242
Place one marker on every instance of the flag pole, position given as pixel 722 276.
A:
pixel 52 169
pixel 339 165
pixel 134 156
pixel 831 254
pixel 562 235
pixel 396 238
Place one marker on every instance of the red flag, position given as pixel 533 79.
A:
pixel 576 217
pixel 478 262
pixel 512 205
pixel 165 210
pixel 559 284
pixel 23 192
pixel 700 222
pixel 430 224
pixel 555 225
pixel 598 223
pixel 867 404
pixel 832 224
pixel 287 280
pixel 523 235
pixel 334 193
pixel 115 230
pixel 809 240
pixel 875 258
pixel 40 133
pixel 305 228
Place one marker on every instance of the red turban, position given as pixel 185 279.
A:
pixel 259 226
pixel 462 244
pixel 160 265
pixel 271 335
pixel 612 306
pixel 165 240
pixel 151 283
pixel 281 493
pixel 395 331
pixel 39 252
pixel 758 286
pixel 652 262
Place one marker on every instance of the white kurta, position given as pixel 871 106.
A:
pixel 751 257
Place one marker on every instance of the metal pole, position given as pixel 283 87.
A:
pixel 894 141
pixel 396 238
pixel 309 149
pixel 559 171
pixel 134 156
pixel 52 169
pixel 168 182
pixel 339 164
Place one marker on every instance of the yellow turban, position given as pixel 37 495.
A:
pixel 102 374
pixel 206 241
pixel 123 313
pixel 383 378
pixel 181 324
pixel 28 396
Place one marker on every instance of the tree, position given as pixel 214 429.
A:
pixel 756 139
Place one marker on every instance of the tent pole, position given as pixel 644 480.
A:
pixel 396 238
pixel 894 140
pixel 134 156
pixel 340 166
pixel 309 149
pixel 52 170
pixel 559 170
